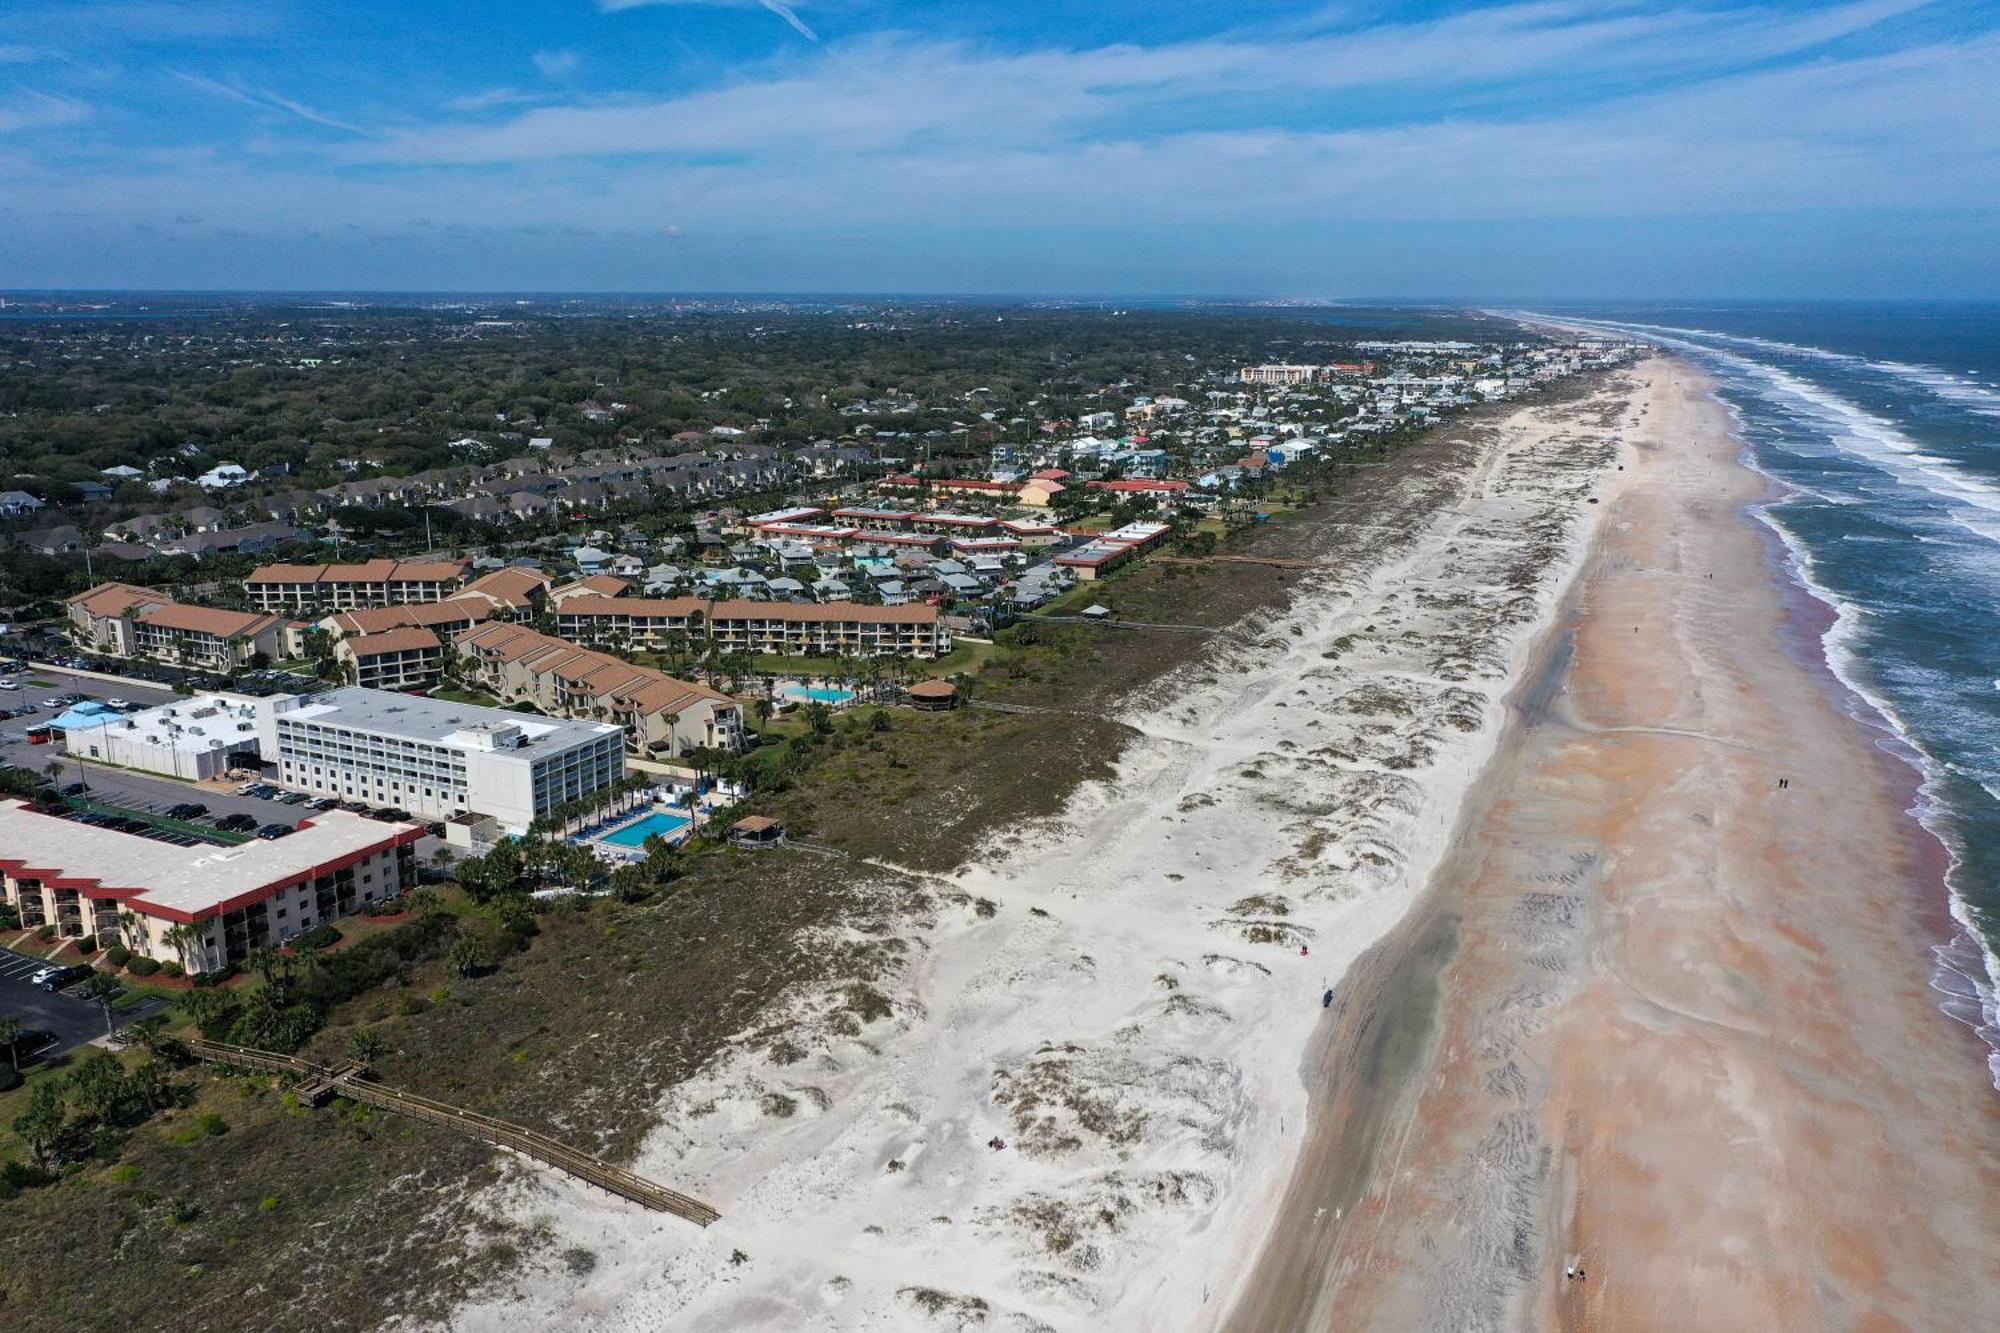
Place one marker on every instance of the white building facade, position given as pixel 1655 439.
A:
pixel 437 759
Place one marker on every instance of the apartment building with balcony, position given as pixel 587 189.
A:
pixel 226 901
pixel 406 658
pixel 296 588
pixel 122 620
pixel 845 629
pixel 438 759
pixel 662 715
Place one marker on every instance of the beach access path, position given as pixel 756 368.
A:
pixel 1659 1019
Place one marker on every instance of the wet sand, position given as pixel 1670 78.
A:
pixel 1656 1016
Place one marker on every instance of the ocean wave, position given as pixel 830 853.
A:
pixel 1960 390
pixel 1965 969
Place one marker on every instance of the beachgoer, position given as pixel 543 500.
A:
pixel 1304 952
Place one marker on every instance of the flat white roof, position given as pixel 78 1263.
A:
pixel 203 722
pixel 185 881
pixel 438 721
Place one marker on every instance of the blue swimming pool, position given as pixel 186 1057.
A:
pixel 825 694
pixel 635 833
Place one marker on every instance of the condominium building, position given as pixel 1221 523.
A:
pixel 342 587
pixel 513 590
pixel 836 628
pixel 202 906
pixel 121 620
pixel 447 617
pixel 661 715
pixel 408 658
pixel 439 759
pixel 1280 374
pixel 1097 558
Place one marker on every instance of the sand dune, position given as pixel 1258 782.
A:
pixel 1119 994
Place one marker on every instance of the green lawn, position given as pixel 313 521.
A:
pixel 459 694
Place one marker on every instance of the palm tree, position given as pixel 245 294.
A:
pixel 672 720
pixel 178 937
pixel 128 927
pixel 100 988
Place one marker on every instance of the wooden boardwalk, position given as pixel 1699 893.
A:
pixel 349 1079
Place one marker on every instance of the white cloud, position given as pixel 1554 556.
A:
pixel 30 110
pixel 789 13
pixel 557 64
pixel 263 99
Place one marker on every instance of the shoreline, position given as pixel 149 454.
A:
pixel 1955 943
pixel 1646 1035
pixel 1122 994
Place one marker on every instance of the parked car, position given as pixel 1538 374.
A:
pixel 292 798
pixel 73 789
pixel 65 976
pixel 271 832
pixel 237 823
pixel 322 803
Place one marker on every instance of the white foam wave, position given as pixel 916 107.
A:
pixel 1962 390
pixel 1972 501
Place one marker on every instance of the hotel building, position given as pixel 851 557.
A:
pixel 438 759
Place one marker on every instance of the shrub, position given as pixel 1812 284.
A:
pixel 45 934
pixel 88 944
pixel 172 969
pixel 319 937
pixel 143 966
pixel 118 955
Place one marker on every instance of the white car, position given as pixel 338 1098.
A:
pixel 118 703
pixel 41 976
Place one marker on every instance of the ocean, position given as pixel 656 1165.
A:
pixel 1884 423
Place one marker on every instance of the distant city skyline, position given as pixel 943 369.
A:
pixel 1547 150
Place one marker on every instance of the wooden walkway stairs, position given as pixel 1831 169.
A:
pixel 316 1083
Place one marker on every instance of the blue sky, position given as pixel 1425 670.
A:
pixel 1555 148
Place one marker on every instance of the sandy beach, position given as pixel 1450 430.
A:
pixel 1669 1019
pixel 1122 994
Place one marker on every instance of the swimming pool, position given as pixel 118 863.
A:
pixel 635 833
pixel 825 694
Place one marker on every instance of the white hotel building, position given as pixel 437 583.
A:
pixel 437 759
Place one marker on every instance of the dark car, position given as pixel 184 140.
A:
pixel 271 832
pixel 73 789
pixel 67 976
pixel 389 814
pixel 187 810
pixel 322 803
pixel 237 823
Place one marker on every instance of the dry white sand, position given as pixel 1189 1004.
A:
pixel 1129 1011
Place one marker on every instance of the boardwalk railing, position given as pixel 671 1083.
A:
pixel 348 1080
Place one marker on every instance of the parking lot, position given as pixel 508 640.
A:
pixel 67 1019
pixel 141 793
pixel 131 791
